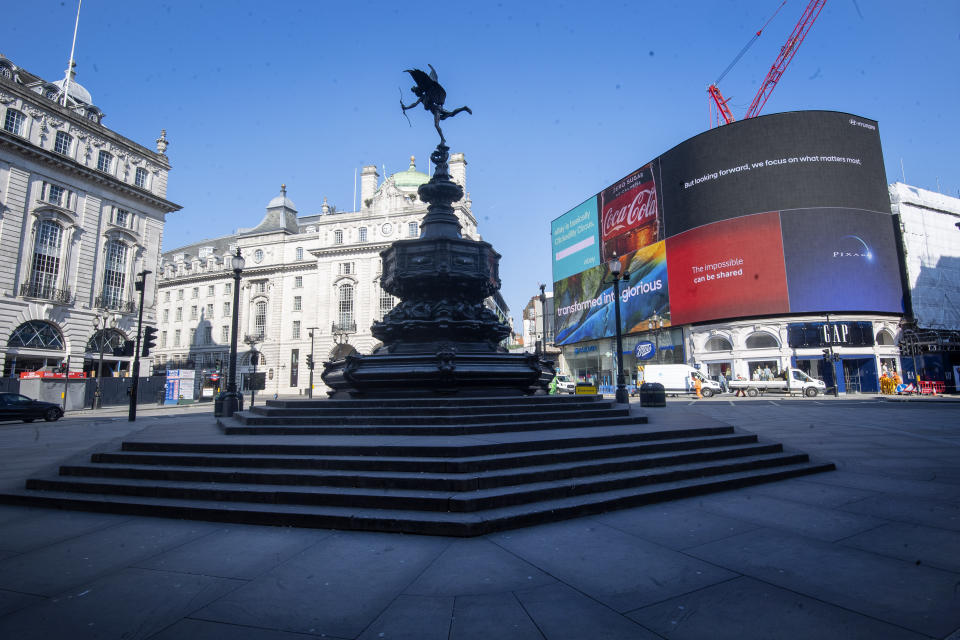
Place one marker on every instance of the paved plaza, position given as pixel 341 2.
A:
pixel 869 551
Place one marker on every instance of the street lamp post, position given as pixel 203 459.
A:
pixel 141 286
pixel 615 271
pixel 656 322
pixel 100 324
pixel 230 399
pixel 543 319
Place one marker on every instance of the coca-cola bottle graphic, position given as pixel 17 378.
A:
pixel 629 216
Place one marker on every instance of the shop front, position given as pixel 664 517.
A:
pixel 840 353
pixel 595 361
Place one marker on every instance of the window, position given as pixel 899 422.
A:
pixel 345 306
pixel 261 287
pixel 363 234
pixel 338 237
pixel 884 338
pixel 115 274
pixel 296 330
pixel 121 217
pixel 299 253
pixel 260 319
pixel 63 143
pixel 166 315
pixel 386 303
pixel 225 333
pixel 297 303
pixel 193 312
pixel 104 161
pixel 258 255
pixel 761 340
pixel 140 178
pixel 227 288
pixel 163 339
pixel 179 315
pixel 179 294
pixel 207 334
pixel 298 282
pixel 14 122
pixel 36 334
pixel 166 296
pixel 412 230
pixel 55 194
pixel 176 338
pixel 346 268
pixel 210 290
pixel 193 336
pixel 46 258
pixel 718 343
pixel 226 309
pixel 195 292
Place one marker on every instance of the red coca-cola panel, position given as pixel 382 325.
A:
pixel 629 216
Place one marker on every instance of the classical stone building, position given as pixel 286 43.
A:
pixel 310 284
pixel 82 211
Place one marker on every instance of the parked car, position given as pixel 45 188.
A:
pixel 565 384
pixel 14 406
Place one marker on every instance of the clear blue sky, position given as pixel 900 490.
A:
pixel 567 97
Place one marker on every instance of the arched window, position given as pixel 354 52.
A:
pixel 345 306
pixel 884 339
pixel 260 319
pixel 108 339
pixel 36 334
pixel 114 274
pixel 718 343
pixel 45 266
pixel 761 340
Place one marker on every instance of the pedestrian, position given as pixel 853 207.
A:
pixel 723 383
pixel 553 385
pixel 697 385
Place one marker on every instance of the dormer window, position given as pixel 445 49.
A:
pixel 14 122
pixel 140 179
pixel 5 72
pixel 104 161
pixel 63 143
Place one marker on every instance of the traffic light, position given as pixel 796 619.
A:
pixel 149 341
pixel 309 361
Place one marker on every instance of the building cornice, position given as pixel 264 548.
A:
pixel 252 272
pixel 25 148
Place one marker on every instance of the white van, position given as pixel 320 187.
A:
pixel 678 378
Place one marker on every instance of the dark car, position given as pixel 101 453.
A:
pixel 14 406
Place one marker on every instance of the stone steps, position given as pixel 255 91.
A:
pixel 507 463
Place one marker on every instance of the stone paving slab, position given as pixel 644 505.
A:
pixel 803 569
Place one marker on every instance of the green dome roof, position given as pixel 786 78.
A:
pixel 411 178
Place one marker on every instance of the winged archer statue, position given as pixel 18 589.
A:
pixel 432 96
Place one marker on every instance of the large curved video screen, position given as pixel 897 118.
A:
pixel 785 213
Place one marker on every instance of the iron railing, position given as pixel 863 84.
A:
pixel 114 303
pixel 344 327
pixel 34 290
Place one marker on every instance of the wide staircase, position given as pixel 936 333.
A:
pixel 460 467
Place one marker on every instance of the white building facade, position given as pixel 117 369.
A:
pixel 82 211
pixel 310 284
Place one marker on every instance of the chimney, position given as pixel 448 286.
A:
pixel 368 184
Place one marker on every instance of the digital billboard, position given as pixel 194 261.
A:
pixel 576 243
pixel 785 213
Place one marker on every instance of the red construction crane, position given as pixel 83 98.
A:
pixel 787 51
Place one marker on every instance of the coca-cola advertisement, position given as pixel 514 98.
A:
pixel 630 217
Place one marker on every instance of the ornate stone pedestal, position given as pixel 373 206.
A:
pixel 440 339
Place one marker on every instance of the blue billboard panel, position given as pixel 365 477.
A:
pixel 584 302
pixel 841 260
pixel 576 240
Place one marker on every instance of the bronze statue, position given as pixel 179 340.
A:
pixel 432 96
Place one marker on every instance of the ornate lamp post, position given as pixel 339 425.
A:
pixel 656 322
pixel 615 271
pixel 230 399
pixel 100 324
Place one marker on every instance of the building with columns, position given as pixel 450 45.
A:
pixel 310 284
pixel 82 211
